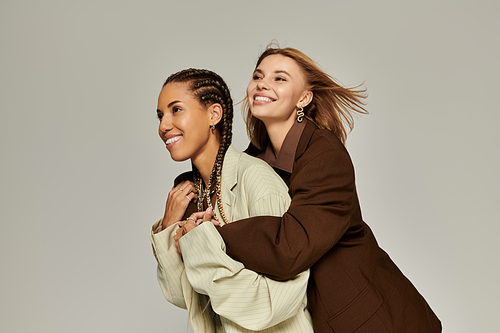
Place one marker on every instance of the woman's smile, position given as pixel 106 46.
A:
pixel 276 89
pixel 261 99
pixel 171 140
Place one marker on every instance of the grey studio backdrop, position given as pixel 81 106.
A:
pixel 84 174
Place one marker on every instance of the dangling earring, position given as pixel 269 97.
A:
pixel 300 114
pixel 212 127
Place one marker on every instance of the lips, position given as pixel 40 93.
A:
pixel 262 99
pixel 172 139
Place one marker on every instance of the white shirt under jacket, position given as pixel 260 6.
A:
pixel 244 300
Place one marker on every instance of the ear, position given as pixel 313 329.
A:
pixel 306 98
pixel 215 112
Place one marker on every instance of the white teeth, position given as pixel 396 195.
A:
pixel 263 99
pixel 172 140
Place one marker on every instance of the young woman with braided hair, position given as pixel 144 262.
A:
pixel 296 116
pixel 195 110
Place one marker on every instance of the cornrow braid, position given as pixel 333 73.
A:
pixel 210 88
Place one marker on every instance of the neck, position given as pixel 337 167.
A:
pixel 277 133
pixel 204 162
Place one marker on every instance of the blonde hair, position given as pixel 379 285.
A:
pixel 331 108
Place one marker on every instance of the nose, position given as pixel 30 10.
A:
pixel 165 125
pixel 262 85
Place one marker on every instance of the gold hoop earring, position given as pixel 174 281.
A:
pixel 300 114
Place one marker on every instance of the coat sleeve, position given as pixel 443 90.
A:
pixel 323 197
pixel 242 296
pixel 250 300
pixel 170 271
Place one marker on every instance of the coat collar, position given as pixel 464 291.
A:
pixel 306 136
pixel 230 168
pixel 286 157
pixel 229 179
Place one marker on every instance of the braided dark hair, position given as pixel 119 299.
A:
pixel 209 88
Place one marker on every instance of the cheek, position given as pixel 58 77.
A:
pixel 289 95
pixel 283 94
pixel 248 99
pixel 251 86
pixel 159 128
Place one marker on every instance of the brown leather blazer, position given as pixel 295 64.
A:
pixel 354 285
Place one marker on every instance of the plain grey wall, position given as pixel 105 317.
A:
pixel 84 175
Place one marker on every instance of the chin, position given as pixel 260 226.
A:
pixel 258 115
pixel 177 158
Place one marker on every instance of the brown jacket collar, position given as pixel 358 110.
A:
pixel 306 136
pixel 294 145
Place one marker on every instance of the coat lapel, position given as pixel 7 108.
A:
pixel 229 180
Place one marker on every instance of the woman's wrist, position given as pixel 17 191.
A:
pixel 166 223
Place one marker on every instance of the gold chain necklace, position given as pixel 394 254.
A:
pixel 206 194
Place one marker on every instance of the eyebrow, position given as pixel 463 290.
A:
pixel 279 71
pixel 173 102
pixel 169 105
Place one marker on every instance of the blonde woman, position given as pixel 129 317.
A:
pixel 297 120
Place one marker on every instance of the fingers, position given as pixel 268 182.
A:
pixel 178 234
pixel 192 222
pixel 177 202
pixel 191 196
pixel 195 220
pixel 186 189
pixel 185 186
pixel 208 214
pixel 198 215
pixel 182 185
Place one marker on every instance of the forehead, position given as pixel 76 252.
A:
pixel 176 88
pixel 278 62
pixel 176 91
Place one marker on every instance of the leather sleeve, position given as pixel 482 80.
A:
pixel 322 190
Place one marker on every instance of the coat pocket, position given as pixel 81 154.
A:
pixel 358 311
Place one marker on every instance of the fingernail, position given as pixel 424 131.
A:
pixel 209 210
